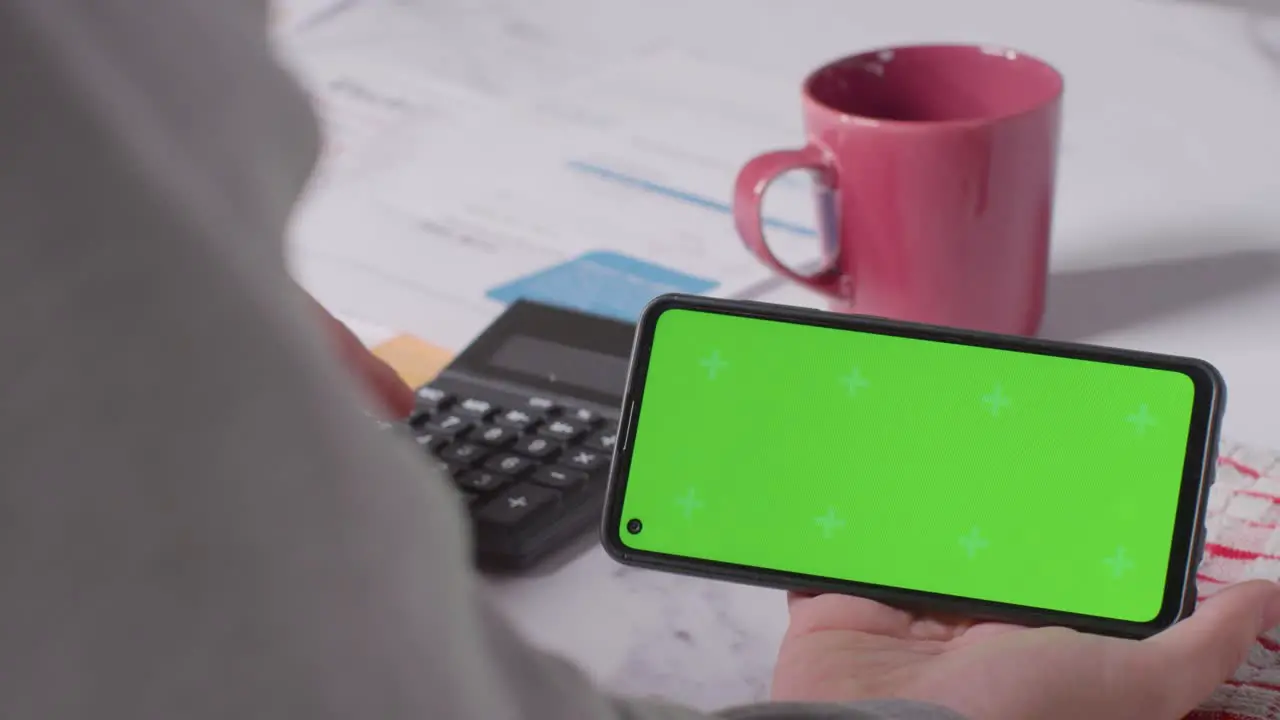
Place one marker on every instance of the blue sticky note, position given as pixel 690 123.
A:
pixel 602 282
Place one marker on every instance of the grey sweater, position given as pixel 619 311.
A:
pixel 196 521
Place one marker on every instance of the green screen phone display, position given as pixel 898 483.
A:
pixel 987 474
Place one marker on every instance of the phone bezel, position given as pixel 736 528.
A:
pixel 1187 544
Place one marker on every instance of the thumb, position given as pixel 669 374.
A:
pixel 1190 659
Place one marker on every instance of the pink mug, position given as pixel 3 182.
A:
pixel 934 167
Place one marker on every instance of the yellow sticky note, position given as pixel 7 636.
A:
pixel 417 361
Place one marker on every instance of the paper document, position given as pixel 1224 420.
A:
pixel 598 196
pixel 293 16
pixel 628 163
pixel 494 49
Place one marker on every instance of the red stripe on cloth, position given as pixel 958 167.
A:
pixel 1269 644
pixel 1220 715
pixel 1230 553
pixel 1240 467
pixel 1271 687
pixel 1259 525
pixel 1258 494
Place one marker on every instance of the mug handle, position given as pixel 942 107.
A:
pixel 753 180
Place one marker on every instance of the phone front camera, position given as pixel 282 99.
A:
pixel 634 526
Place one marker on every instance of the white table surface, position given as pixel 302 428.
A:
pixel 1167 232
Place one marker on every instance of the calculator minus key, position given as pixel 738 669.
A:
pixel 518 504
pixel 559 478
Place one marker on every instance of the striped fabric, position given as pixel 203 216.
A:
pixel 1243 544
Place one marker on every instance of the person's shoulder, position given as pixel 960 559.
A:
pixel 188 93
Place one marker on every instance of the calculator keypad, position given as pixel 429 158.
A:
pixel 519 462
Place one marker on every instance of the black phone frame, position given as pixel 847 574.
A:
pixel 1187 543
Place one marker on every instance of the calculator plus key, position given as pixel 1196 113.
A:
pixel 463 454
pixel 537 447
pixel 583 459
pixel 560 429
pixel 494 436
pixel 560 478
pixel 518 504
pixel 509 464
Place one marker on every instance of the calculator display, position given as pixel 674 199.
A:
pixel 978 472
pixel 557 363
pixel 552 351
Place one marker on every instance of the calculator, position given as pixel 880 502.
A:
pixel 523 422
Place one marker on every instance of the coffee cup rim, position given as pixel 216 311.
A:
pixel 1009 52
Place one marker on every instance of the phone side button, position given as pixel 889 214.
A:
pixel 624 429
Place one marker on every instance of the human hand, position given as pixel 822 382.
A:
pixel 377 376
pixel 842 648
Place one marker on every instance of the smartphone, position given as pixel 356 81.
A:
pixel 996 477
